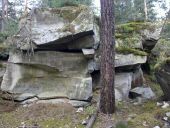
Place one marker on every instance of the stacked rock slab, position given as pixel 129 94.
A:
pixel 55 55
pixel 47 60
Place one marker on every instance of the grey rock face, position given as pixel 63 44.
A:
pixel 61 28
pixel 122 85
pixel 144 92
pixel 48 77
pixel 163 78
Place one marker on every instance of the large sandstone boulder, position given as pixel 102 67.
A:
pixel 59 29
pixel 48 75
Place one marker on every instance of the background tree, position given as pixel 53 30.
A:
pixel 107 98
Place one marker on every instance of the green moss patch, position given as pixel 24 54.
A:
pixel 124 50
pixel 132 27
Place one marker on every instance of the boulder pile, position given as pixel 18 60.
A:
pixel 55 55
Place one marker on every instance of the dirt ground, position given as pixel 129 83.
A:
pixel 127 115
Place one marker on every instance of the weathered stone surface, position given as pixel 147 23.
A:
pixel 129 59
pixel 162 47
pixel 52 27
pixel 121 60
pixel 150 37
pixel 163 78
pixel 48 74
pixel 21 79
pixel 145 92
pixel 152 33
pixel 130 42
pixel 67 64
pixel 137 78
pixel 122 85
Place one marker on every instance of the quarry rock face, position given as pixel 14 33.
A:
pixel 56 55
pixel 57 66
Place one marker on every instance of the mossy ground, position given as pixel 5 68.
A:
pixel 65 116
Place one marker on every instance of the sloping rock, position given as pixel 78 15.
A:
pixel 151 36
pixel 145 92
pixel 162 46
pixel 152 33
pixel 163 77
pixel 61 27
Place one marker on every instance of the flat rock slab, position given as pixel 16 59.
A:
pixel 19 79
pixel 129 59
pixel 121 60
pixel 66 64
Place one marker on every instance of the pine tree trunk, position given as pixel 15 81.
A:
pixel 107 100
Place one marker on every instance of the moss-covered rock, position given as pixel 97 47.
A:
pixel 126 50
pixel 163 45
pixel 162 73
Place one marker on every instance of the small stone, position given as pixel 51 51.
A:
pixel 165 105
pixel 79 110
pixel 168 114
pixel 159 104
pixel 145 124
pixel 136 103
pixel 156 127
pixel 84 122
pixel 165 118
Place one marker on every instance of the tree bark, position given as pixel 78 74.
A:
pixel 107 100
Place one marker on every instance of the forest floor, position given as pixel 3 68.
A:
pixel 127 115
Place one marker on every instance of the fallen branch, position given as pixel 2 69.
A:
pixel 94 116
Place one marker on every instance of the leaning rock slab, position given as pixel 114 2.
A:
pixel 145 92
pixel 162 74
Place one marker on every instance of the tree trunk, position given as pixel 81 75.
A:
pixel 107 100
pixel 145 10
pixel 4 14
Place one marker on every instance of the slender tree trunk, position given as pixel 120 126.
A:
pixel 107 100
pixel 4 14
pixel 145 10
